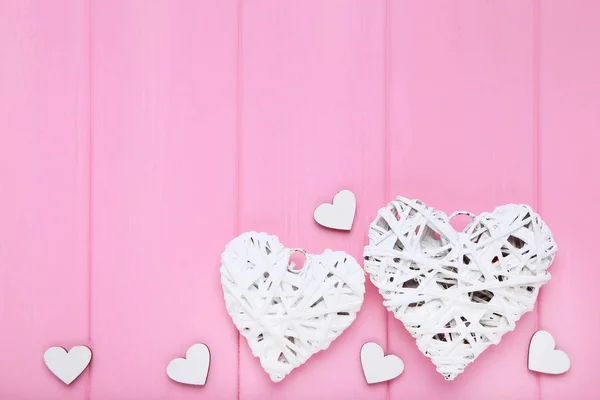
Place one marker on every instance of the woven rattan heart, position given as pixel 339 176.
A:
pixel 458 292
pixel 288 315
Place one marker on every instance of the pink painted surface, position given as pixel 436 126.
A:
pixel 308 69
pixel 44 192
pixel 163 193
pixel 569 164
pixel 137 138
pixel 462 138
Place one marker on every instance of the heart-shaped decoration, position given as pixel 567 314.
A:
pixel 544 358
pixel 193 369
pixel 377 367
pixel 340 214
pixel 287 315
pixel 458 292
pixel 67 366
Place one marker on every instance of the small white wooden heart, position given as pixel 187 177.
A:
pixel 340 214
pixel 544 358
pixel 193 369
pixel 377 367
pixel 458 293
pixel 287 315
pixel 67 366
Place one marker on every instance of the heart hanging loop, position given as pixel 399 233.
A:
pixel 292 264
pixel 461 225
pixel 457 213
pixel 298 250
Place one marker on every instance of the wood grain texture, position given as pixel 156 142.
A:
pixel 44 189
pixel 461 118
pixel 312 108
pixel 164 201
pixel 569 126
pixel 138 137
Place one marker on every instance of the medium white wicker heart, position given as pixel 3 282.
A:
pixel 287 315
pixel 458 292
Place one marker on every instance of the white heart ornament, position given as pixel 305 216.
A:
pixel 544 358
pixel 340 214
pixel 377 367
pixel 287 315
pixel 458 292
pixel 193 369
pixel 67 366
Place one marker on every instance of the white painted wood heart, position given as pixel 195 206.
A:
pixel 339 214
pixel 543 356
pixel 67 365
pixel 458 292
pixel 287 315
pixel 378 367
pixel 193 369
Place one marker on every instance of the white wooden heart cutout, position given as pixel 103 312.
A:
pixel 67 366
pixel 193 369
pixel 287 314
pixel 544 358
pixel 340 214
pixel 458 292
pixel 376 366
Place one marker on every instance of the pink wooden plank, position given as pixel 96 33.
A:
pixel 570 188
pixel 461 119
pixel 312 124
pixel 164 174
pixel 44 192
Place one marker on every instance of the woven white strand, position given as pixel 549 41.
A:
pixel 458 292
pixel 288 315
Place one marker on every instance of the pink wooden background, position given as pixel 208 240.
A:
pixel 138 137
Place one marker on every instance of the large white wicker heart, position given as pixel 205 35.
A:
pixel 458 292
pixel 287 315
